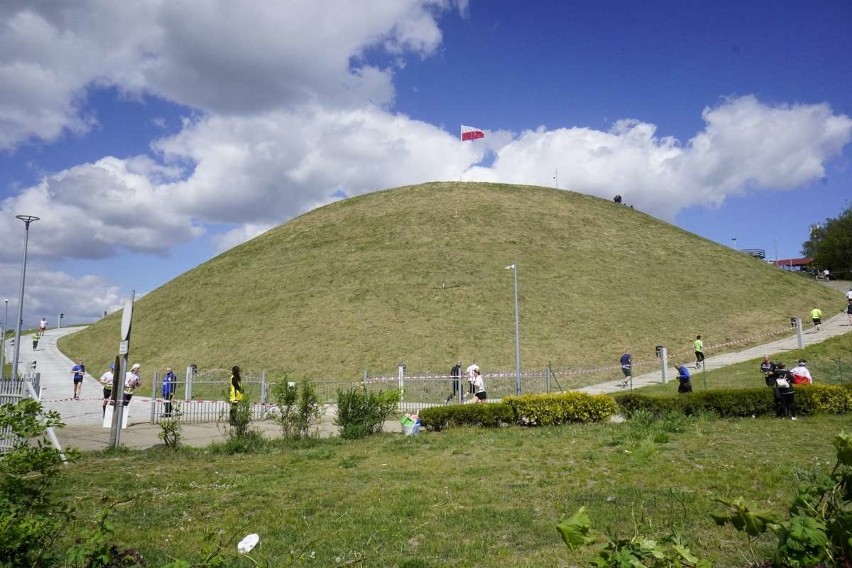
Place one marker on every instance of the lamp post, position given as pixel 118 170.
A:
pixel 3 343
pixel 734 239
pixel 27 219
pixel 775 242
pixel 514 269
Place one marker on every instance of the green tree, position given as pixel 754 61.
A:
pixel 830 244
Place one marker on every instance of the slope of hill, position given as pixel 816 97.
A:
pixel 417 275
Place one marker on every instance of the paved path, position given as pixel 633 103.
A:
pixel 82 417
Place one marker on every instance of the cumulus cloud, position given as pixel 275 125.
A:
pixel 745 145
pixel 220 56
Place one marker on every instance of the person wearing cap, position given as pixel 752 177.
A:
pixel 77 372
pixel 800 373
pixel 169 384
pixel 106 380
pixel 816 317
pixel 131 381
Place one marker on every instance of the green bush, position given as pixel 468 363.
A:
pixel 361 413
pixel 739 403
pixel 562 408
pixel 298 407
pixel 487 415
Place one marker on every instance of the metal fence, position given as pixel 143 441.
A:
pixel 12 392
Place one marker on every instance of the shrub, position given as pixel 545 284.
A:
pixel 31 517
pixel 170 429
pixel 361 413
pixel 562 408
pixel 738 403
pixel 298 407
pixel 487 415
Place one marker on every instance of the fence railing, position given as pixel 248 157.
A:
pixel 12 392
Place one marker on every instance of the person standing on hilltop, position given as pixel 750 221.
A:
pixel 816 317
pixel 626 367
pixel 698 345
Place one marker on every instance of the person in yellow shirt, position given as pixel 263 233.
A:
pixel 235 392
pixel 698 346
pixel 816 317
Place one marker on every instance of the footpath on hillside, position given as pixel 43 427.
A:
pixel 82 416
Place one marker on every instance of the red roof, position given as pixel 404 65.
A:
pixel 804 261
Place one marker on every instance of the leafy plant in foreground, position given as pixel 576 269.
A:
pixel 361 413
pixel 671 552
pixel 170 432
pixel 819 528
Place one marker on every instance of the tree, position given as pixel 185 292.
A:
pixel 830 245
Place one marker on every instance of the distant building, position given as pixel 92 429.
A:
pixel 794 264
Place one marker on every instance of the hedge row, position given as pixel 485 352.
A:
pixel 740 403
pixel 563 408
pixel 526 410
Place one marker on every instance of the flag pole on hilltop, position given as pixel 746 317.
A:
pixel 469 133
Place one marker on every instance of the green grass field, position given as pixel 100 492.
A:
pixel 464 497
pixel 416 275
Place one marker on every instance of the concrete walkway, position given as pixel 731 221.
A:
pixel 82 417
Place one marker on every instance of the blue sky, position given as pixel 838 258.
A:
pixel 151 136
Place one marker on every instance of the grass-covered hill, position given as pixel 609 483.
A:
pixel 417 275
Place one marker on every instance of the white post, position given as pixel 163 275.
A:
pixel 799 336
pixel 664 357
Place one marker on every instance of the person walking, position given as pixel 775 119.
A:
pixel 36 339
pixel 626 367
pixel 131 381
pixel 471 371
pixel 42 326
pixel 698 346
pixel 479 387
pixel 786 394
pixel 455 376
pixel 235 394
pixel 77 372
pixel 168 391
pixel 849 312
pixel 106 381
pixel 684 379
pixel 816 317
pixel 849 295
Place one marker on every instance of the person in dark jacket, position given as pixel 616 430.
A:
pixel 785 393
pixel 168 391
pixel 455 375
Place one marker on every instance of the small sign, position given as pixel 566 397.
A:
pixel 124 348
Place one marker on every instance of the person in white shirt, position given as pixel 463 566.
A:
pixel 471 376
pixel 106 381
pixel 43 325
pixel 801 375
pixel 479 387
pixel 131 381
pixel 849 295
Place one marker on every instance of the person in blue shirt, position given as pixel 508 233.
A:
pixel 684 379
pixel 169 384
pixel 77 372
pixel 626 367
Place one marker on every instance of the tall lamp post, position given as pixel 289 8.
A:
pixel 3 343
pixel 514 269
pixel 735 242
pixel 27 219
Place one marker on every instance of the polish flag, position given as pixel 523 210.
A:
pixel 471 133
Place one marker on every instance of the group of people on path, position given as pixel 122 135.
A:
pixel 475 383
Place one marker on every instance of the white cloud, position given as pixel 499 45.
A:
pixel 745 146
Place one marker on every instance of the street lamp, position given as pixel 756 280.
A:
pixel 3 344
pixel 735 242
pixel 514 269
pixel 27 219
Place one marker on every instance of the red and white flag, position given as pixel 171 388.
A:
pixel 471 133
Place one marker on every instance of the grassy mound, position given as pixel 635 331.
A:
pixel 416 275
